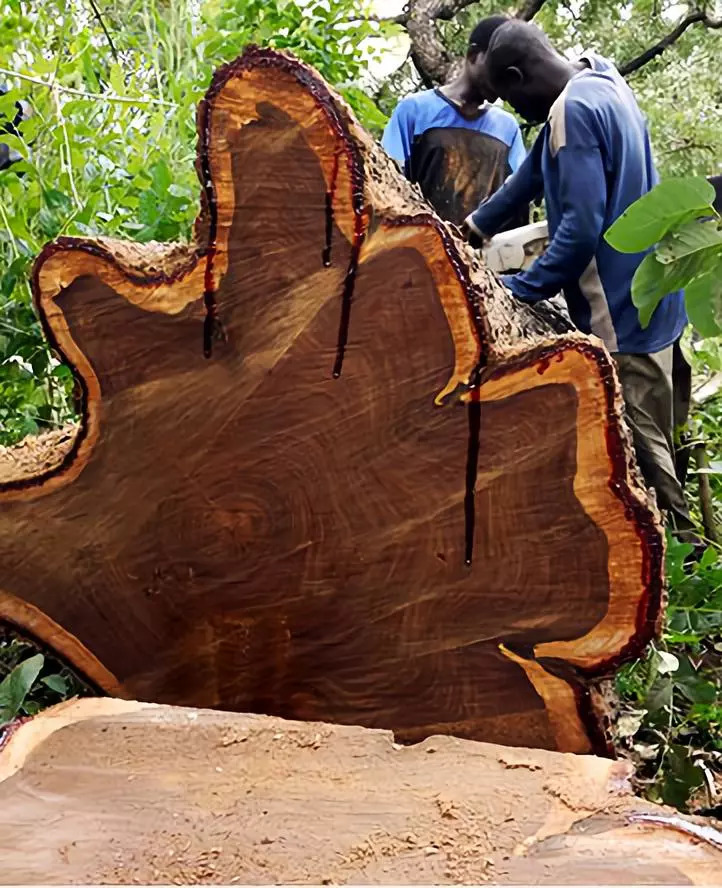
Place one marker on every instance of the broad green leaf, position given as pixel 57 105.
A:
pixel 697 690
pixel 14 142
pixel 653 279
pixel 48 223
pixel 703 299
pixel 91 78
pixel 711 557
pixel 56 200
pixel 16 686
pixel 648 219
pixel 659 696
pixel 687 239
pixel 56 683
pixel 161 176
pixel 8 104
pixel 681 777
pixel 42 65
pixel 149 209
pixel 651 283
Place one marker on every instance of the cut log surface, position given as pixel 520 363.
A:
pixel 327 468
pixel 104 791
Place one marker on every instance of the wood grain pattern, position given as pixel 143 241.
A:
pixel 138 794
pixel 328 469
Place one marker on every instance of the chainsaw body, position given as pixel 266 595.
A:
pixel 515 250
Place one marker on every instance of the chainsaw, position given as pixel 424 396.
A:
pixel 515 250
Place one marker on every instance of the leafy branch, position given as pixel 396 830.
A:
pixel 434 63
pixel 100 97
pixel 698 17
pixel 101 22
pixel 432 60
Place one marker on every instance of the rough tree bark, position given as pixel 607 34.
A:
pixel 126 794
pixel 327 468
pixel 432 60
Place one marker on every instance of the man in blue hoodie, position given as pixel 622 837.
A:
pixel 458 148
pixel 591 160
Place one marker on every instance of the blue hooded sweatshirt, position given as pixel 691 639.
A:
pixel 591 160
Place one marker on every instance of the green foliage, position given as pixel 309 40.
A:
pixel 671 720
pixel 676 217
pixel 16 687
pixel 31 681
pixel 665 207
pixel 705 426
pixel 672 716
pixel 109 145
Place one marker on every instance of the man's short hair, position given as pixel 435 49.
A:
pixel 515 43
pixel 481 35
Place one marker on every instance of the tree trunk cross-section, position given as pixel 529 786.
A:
pixel 132 793
pixel 327 468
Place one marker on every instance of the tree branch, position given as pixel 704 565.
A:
pixel 527 12
pixel 445 10
pixel 431 58
pixel 101 22
pixel 104 97
pixel 435 64
pixel 706 500
pixel 399 19
pixel 658 48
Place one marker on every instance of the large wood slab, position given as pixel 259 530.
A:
pixel 327 467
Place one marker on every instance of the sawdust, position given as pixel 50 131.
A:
pixel 158 795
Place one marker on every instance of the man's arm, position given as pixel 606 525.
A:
pixel 583 200
pixel 520 188
pixel 398 135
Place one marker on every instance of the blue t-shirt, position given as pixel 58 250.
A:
pixel 456 160
pixel 592 159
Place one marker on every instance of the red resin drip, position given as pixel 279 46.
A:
pixel 211 327
pixel 472 464
pixel 347 295
pixel 330 197
pixel 209 300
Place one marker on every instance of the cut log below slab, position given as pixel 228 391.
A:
pixel 327 468
pixel 107 791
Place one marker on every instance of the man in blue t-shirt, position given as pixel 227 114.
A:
pixel 452 143
pixel 591 160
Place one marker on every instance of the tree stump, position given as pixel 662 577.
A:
pixel 107 791
pixel 327 467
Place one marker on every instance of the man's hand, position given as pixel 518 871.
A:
pixel 472 235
